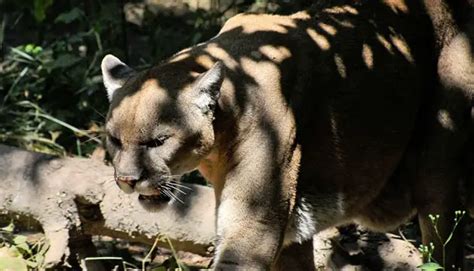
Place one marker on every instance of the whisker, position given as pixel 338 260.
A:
pixel 175 188
pixel 178 199
pixel 171 176
pixel 174 184
pixel 178 189
pixel 166 191
pixel 171 195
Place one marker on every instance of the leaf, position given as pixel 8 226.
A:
pixel 40 7
pixel 2 30
pixel 39 259
pixel 29 48
pixel 31 264
pixel 430 266
pixel 9 228
pixel 24 247
pixel 32 49
pixel 22 54
pixel 54 135
pixel 43 250
pixel 70 16
pixel 65 61
pixel 13 264
pixel 20 243
pixel 37 50
pixel 19 239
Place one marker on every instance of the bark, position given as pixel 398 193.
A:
pixel 71 199
pixel 74 197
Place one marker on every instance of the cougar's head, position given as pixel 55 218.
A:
pixel 159 125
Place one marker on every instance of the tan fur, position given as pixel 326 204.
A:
pixel 321 120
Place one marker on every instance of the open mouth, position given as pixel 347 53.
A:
pixel 160 198
pixel 164 192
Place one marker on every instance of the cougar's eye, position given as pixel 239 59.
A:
pixel 155 142
pixel 115 141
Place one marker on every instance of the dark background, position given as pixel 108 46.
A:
pixel 51 94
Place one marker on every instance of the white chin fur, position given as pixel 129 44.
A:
pixel 145 188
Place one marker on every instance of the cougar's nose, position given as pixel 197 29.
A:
pixel 127 183
pixel 130 180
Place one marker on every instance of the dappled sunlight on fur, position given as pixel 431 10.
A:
pixel 300 122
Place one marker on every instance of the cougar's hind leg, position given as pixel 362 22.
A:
pixel 441 170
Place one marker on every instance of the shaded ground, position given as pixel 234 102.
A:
pixel 345 248
pixel 135 253
pixel 355 248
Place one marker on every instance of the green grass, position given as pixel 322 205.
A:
pixel 428 250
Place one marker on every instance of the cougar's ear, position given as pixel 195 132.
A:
pixel 208 86
pixel 114 74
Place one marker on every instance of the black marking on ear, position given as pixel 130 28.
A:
pixel 114 74
pixel 209 86
pixel 211 80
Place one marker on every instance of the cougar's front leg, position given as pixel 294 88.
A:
pixel 253 212
pixel 250 226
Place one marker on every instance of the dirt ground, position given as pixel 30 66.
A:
pixel 345 248
pixel 355 248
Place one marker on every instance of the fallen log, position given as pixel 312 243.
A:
pixel 69 198
pixel 73 197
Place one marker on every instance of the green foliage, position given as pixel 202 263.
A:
pixel 70 16
pixel 51 94
pixel 427 251
pixel 430 266
pixel 16 253
pixel 54 78
pixel 60 78
pixel 40 7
